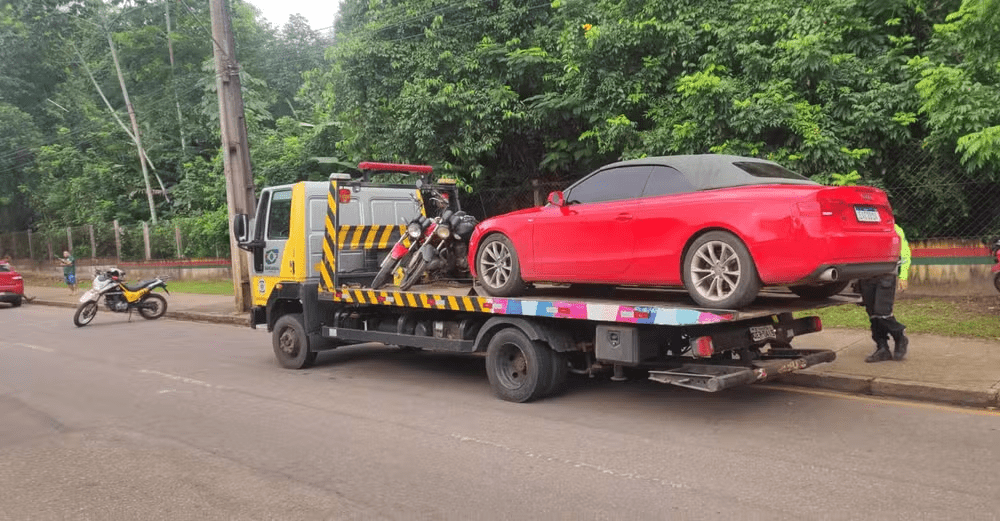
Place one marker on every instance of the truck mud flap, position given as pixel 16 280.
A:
pixel 713 377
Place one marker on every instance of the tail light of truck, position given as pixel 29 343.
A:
pixel 702 347
pixel 344 195
pixel 817 324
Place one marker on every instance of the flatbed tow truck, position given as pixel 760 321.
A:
pixel 316 246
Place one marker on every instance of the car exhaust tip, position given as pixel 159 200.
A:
pixel 830 275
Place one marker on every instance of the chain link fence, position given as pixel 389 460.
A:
pixel 120 242
pixel 936 198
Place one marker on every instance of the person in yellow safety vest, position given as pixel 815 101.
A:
pixel 878 294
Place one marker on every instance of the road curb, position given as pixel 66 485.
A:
pixel 890 388
pixel 238 320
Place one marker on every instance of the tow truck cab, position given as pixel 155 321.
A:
pixel 285 237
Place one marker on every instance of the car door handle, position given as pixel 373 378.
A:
pixel 624 216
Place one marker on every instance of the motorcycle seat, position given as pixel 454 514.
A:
pixel 139 285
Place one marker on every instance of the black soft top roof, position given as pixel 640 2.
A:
pixel 708 171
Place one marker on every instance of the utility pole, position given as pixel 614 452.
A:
pixel 235 150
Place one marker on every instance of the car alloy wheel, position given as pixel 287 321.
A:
pixel 716 270
pixel 496 263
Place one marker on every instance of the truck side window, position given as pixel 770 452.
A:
pixel 279 215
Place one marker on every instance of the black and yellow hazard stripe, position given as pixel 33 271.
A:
pixel 328 273
pixel 368 237
pixel 413 300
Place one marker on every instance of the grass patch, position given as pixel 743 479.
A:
pixel 204 287
pixel 962 316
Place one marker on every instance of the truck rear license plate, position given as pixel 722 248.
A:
pixel 867 214
pixel 761 333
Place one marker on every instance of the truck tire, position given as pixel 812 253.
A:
pixel 519 370
pixel 821 291
pixel 719 272
pixel 291 343
pixel 560 371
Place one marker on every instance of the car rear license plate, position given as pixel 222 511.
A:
pixel 867 214
pixel 761 333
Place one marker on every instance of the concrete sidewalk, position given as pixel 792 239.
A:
pixel 961 371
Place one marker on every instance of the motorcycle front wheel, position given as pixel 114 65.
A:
pixel 413 273
pixel 85 313
pixel 387 270
pixel 152 306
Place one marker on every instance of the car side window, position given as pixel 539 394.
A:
pixel 666 180
pixel 613 184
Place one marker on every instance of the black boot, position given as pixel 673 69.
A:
pixel 881 354
pixel 901 343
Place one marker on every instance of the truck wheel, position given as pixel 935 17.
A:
pixel 519 370
pixel 291 344
pixel 85 313
pixel 821 291
pixel 497 267
pixel 17 302
pixel 719 272
pixel 560 371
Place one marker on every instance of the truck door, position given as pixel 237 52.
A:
pixel 276 232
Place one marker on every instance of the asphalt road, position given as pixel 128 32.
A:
pixel 181 420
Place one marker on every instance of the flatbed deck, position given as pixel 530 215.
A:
pixel 627 305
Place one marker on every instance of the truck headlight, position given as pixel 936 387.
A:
pixel 443 231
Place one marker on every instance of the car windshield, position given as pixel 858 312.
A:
pixel 768 170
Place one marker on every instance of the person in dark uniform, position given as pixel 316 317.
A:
pixel 878 294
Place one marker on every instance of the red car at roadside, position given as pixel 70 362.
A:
pixel 720 226
pixel 11 285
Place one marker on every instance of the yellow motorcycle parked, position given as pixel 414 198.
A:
pixel 121 298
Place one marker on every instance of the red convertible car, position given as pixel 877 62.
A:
pixel 11 285
pixel 720 226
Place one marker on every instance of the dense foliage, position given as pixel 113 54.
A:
pixel 496 92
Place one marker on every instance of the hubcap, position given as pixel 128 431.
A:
pixel 496 264
pixel 715 270
pixel 288 342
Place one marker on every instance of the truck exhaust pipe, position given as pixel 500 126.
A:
pixel 830 275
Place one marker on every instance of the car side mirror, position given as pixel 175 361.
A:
pixel 557 198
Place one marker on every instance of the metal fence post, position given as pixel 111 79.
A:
pixel 31 250
pixel 93 243
pixel 69 239
pixel 538 194
pixel 118 243
pixel 177 239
